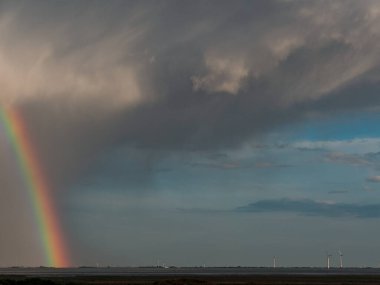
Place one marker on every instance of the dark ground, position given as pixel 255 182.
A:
pixel 236 275
pixel 166 280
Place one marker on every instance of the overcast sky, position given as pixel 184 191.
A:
pixel 196 132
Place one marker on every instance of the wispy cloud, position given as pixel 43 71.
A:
pixel 238 165
pixel 352 146
pixel 345 158
pixel 220 165
pixel 309 207
pixel 270 164
pixel 374 179
pixel 338 192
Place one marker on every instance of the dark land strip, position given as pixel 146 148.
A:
pixel 260 279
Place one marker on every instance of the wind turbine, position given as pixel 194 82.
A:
pixel 340 258
pixel 328 260
pixel 274 261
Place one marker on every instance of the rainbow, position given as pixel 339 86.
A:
pixel 37 186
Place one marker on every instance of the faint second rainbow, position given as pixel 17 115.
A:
pixel 38 187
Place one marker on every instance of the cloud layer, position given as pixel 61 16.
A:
pixel 307 207
pixel 90 75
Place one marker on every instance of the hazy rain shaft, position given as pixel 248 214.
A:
pixel 167 77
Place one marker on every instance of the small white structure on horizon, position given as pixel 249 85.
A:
pixel 328 260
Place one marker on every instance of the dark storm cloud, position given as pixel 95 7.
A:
pixel 193 75
pixel 308 207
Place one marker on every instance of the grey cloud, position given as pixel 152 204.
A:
pixel 338 192
pixel 229 164
pixel 220 165
pixel 345 158
pixel 264 97
pixel 90 75
pixel 374 155
pixel 374 179
pixel 270 164
pixel 307 207
pixel 365 148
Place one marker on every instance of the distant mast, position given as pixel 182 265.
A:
pixel 340 258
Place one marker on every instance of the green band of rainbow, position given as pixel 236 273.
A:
pixel 37 186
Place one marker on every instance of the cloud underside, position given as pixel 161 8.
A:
pixel 307 207
pixel 90 75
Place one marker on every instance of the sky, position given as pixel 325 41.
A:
pixel 195 132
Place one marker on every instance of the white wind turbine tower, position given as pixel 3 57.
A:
pixel 340 258
pixel 274 261
pixel 328 260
